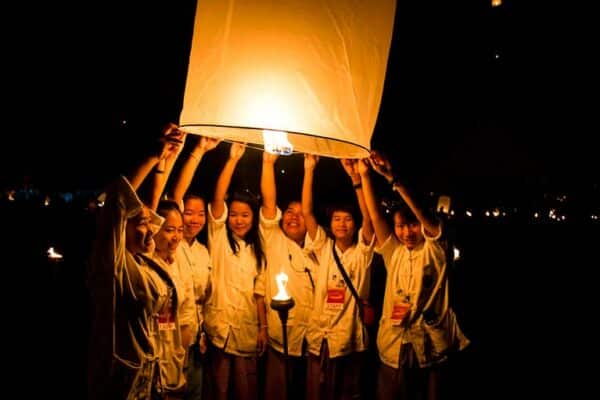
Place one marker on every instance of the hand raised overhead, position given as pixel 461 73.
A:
pixel 172 140
pixel 381 165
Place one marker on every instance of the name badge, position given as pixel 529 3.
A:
pixel 400 310
pixel 335 298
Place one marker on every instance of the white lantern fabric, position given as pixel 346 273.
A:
pixel 312 68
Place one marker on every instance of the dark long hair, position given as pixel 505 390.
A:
pixel 252 237
pixel 165 206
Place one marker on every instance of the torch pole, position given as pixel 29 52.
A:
pixel 282 307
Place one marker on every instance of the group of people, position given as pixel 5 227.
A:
pixel 174 318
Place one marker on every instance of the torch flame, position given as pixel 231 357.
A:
pixel 276 142
pixel 282 280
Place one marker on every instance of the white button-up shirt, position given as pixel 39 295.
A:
pixel 420 276
pixel 195 264
pixel 230 314
pixel 285 255
pixel 342 327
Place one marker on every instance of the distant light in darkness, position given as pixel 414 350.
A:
pixel 53 255
pixel 456 252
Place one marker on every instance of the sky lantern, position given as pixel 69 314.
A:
pixel 291 75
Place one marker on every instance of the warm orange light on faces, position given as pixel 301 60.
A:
pixel 408 233
pixel 170 234
pixel 292 222
pixel 194 217
pixel 240 218
pixel 342 226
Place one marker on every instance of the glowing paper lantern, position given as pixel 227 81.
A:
pixel 313 69
pixel 443 204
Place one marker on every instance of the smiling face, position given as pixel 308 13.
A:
pixel 343 226
pixel 194 217
pixel 408 231
pixel 292 222
pixel 170 234
pixel 138 235
pixel 240 218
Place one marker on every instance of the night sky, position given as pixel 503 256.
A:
pixel 473 93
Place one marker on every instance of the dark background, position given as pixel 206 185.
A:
pixel 493 106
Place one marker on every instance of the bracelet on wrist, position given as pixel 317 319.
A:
pixel 357 185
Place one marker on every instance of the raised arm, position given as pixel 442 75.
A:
pixel 184 179
pixel 169 144
pixel 235 153
pixel 123 207
pixel 310 162
pixel 267 185
pixel 351 168
pixel 383 166
pixel 162 171
pixel 380 225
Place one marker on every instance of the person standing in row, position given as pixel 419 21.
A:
pixel 235 315
pixel 175 325
pixel 194 258
pixel 128 290
pixel 176 334
pixel 284 236
pixel 337 337
pixel 418 328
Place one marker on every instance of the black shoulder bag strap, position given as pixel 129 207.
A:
pixel 348 282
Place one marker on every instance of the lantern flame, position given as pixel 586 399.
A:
pixel 282 280
pixel 276 142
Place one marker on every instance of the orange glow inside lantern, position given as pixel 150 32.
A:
pixel 312 69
